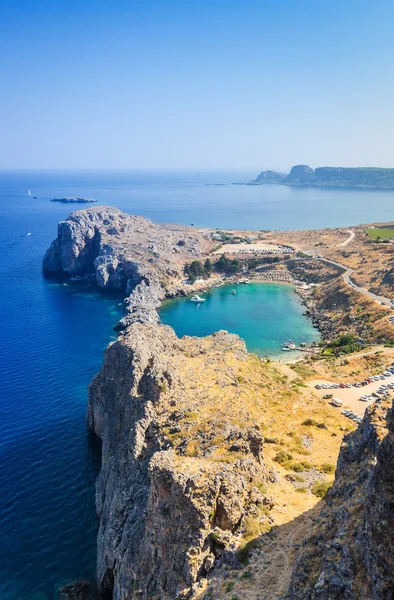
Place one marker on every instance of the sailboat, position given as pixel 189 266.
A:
pixel 29 193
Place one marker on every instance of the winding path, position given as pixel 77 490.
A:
pixel 348 240
pixel 347 273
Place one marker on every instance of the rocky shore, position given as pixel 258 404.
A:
pixel 186 474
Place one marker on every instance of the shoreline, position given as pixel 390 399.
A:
pixel 295 355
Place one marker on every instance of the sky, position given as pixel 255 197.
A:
pixel 196 83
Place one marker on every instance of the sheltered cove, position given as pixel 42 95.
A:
pixel 189 432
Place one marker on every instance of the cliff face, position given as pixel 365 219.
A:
pixel 185 474
pixel 170 496
pixel 351 552
pixel 125 253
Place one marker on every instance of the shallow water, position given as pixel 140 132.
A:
pixel 263 314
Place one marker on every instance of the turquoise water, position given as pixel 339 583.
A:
pixel 52 340
pixel 264 314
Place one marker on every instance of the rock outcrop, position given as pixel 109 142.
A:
pixel 78 590
pixel 126 253
pixel 351 552
pixel 170 494
pixel 121 250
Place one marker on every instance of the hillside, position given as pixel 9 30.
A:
pixel 342 177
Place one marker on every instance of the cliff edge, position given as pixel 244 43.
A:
pixel 127 253
pixel 350 554
pixel 176 482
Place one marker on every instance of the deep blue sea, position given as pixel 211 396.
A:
pixel 52 338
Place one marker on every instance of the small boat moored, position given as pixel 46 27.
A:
pixel 290 345
pixel 197 299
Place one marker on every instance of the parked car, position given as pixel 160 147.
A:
pixel 327 396
pixel 336 402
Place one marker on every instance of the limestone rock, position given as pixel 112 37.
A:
pixel 121 249
pixel 159 509
pixel 77 590
pixel 350 554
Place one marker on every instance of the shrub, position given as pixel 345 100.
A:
pixel 327 468
pixel 309 422
pixel 246 575
pixel 283 457
pixel 320 488
pixel 298 467
pixel 230 586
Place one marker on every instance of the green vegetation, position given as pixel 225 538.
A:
pixel 197 269
pixel 286 460
pixel 299 467
pixel 380 233
pixel 303 370
pixel 283 457
pixel 246 575
pixel 227 266
pixel 230 586
pixel 344 344
pixel 320 488
pixel 327 468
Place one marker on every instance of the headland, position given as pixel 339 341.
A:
pixel 214 461
pixel 330 177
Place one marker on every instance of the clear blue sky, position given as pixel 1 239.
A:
pixel 196 83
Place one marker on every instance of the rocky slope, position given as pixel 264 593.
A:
pixel 206 448
pixel 126 253
pixel 173 489
pixel 350 555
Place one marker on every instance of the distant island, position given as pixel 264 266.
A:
pixel 335 177
pixel 72 200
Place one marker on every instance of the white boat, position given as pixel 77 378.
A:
pixel 285 349
pixel 290 345
pixel 29 193
pixel 28 233
pixel 197 299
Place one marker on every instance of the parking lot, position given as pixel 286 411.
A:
pixel 350 396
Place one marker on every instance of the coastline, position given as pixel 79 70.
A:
pixel 164 458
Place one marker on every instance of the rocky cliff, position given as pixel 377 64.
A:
pixel 126 253
pixel 186 474
pixel 350 555
pixel 176 483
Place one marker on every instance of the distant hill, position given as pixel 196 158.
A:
pixel 338 177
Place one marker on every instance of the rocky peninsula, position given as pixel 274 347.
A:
pixel 213 459
pixel 331 177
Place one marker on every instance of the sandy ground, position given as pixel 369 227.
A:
pixel 236 248
pixel 351 396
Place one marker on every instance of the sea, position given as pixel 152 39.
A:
pixel 264 315
pixel 53 335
